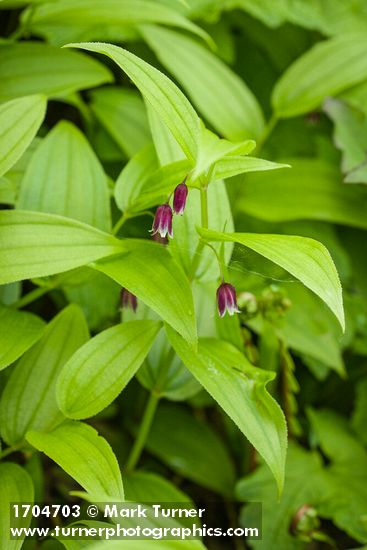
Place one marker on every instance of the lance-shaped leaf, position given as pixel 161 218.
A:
pixel 85 456
pixel 234 165
pixel 16 486
pixel 34 244
pixel 325 70
pixel 149 271
pixel 308 260
pixel 220 94
pixel 28 401
pixel 19 123
pixel 83 18
pixel 65 177
pixel 239 388
pixel 163 95
pixel 33 67
pixel 19 330
pixel 99 371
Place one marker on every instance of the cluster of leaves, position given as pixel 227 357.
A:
pixel 94 136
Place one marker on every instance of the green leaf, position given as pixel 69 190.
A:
pixel 28 401
pixel 19 331
pixel 149 272
pixel 142 486
pixel 325 70
pixel 311 190
pixel 233 165
pixel 219 94
pixel 35 244
pixel 99 371
pixel 84 455
pixel 359 417
pixel 164 96
pixel 89 15
pixel 149 544
pixel 191 448
pixel 350 134
pixel 16 486
pixel 78 186
pixel 239 388
pixel 29 68
pixel 122 113
pixel 167 148
pixel 20 120
pixel 133 177
pixel 306 259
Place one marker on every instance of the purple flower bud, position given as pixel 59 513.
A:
pixel 158 239
pixel 162 223
pixel 226 299
pixel 128 299
pixel 179 198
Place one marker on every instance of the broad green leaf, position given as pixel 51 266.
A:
pixel 30 68
pixel 219 94
pixel 186 238
pixel 191 448
pixel 312 190
pixel 233 165
pixel 28 401
pixel 133 176
pixel 142 486
pixel 19 331
pixel 16 486
pixel 122 113
pixel 325 70
pixel 212 149
pixel 10 182
pixel 167 148
pixel 34 244
pixel 65 177
pixel 84 455
pixel 350 135
pixel 89 15
pixel 305 483
pixel 149 272
pixel 239 388
pixel 99 371
pixel 8 191
pixel 306 259
pixel 149 544
pixel 163 95
pixel 20 120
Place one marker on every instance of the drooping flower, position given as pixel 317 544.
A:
pixel 162 223
pixel 179 198
pixel 226 299
pixel 158 239
pixel 128 299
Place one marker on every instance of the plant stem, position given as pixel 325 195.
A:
pixel 10 450
pixel 120 223
pixel 149 413
pixel 204 223
pixel 32 296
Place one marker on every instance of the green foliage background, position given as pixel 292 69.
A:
pixel 263 105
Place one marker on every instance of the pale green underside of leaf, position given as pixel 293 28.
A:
pixel 162 94
pixel 326 69
pixel 312 190
pixel 34 244
pixel 29 68
pixel 16 486
pixel 84 17
pixel 65 177
pixel 28 401
pixel 84 455
pixel 150 272
pixel 239 388
pixel 98 372
pixel 235 165
pixel 219 94
pixel 19 330
pixel 20 120
pixel 306 259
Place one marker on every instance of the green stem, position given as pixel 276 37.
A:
pixel 204 223
pixel 120 223
pixel 32 296
pixel 10 450
pixel 149 413
pixel 266 133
